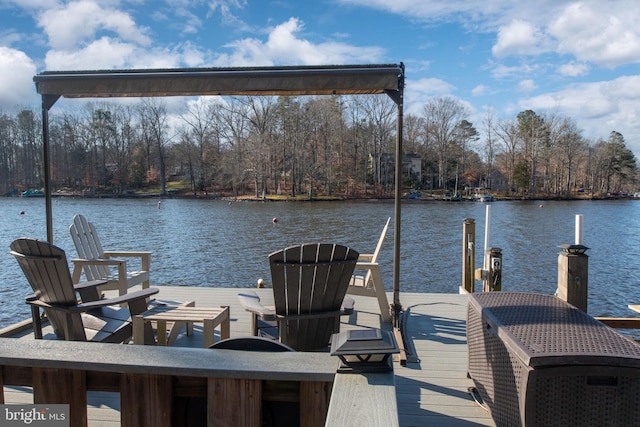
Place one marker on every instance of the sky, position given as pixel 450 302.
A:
pixel 577 59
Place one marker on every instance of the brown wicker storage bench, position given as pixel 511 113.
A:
pixel 538 361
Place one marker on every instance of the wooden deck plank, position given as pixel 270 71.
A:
pixel 431 391
pixel 435 390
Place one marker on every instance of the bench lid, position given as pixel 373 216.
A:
pixel 543 330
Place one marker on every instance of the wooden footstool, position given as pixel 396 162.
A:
pixel 181 315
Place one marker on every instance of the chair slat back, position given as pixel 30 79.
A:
pixel 310 279
pixel 46 269
pixel 85 239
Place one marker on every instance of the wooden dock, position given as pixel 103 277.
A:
pixel 432 389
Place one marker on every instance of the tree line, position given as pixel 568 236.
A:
pixel 328 145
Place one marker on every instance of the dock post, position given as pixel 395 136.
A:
pixel 573 275
pixel 494 279
pixel 468 255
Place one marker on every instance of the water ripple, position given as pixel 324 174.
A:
pixel 221 244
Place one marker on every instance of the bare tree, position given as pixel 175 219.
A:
pixel 259 114
pixel 29 138
pixel 71 153
pixel 324 124
pixel 568 148
pixel 202 133
pixel 8 154
pixel 234 131
pixel 293 131
pixel 442 119
pixel 153 122
pixel 122 146
pixel 490 146
pixel 533 131
pixel 466 136
pixel 380 114
pixel 507 133
pixel 357 141
pixel 325 144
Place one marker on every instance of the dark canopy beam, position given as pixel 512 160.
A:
pixel 260 81
pixel 267 81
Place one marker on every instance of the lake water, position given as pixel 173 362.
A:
pixel 220 244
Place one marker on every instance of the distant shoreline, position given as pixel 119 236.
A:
pixel 305 198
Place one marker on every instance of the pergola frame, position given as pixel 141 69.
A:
pixel 259 81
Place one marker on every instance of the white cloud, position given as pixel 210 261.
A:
pixel 527 85
pixel 75 23
pixel 600 32
pixel 500 71
pixel 598 108
pixel 192 56
pixel 419 92
pixel 518 38
pixel 467 11
pixel 284 46
pixel 229 19
pixel 605 34
pixel 430 86
pixel 104 53
pixel 16 78
pixel 479 90
pixel 573 69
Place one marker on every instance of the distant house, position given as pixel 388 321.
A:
pixel 386 165
pixel 496 181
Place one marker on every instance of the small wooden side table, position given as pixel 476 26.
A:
pixel 180 315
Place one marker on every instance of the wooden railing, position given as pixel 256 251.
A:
pixel 232 387
pixel 151 380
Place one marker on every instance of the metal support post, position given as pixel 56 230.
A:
pixel 494 279
pixel 468 254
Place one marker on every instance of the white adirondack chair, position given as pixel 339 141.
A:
pixel 98 264
pixel 369 281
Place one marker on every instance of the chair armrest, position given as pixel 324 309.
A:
pixel 145 257
pixel 128 254
pixel 33 300
pixel 101 261
pixel 129 298
pixel 80 263
pixel 365 265
pixel 89 290
pixel 250 301
pixel 88 285
pixel 365 257
pixel 348 304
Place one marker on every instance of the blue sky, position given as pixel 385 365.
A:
pixel 577 59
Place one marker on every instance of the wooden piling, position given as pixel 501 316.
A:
pixel 573 275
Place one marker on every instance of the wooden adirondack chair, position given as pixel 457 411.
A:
pixel 89 318
pixel 309 286
pixel 98 264
pixel 370 283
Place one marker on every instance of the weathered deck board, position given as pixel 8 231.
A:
pixel 432 391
